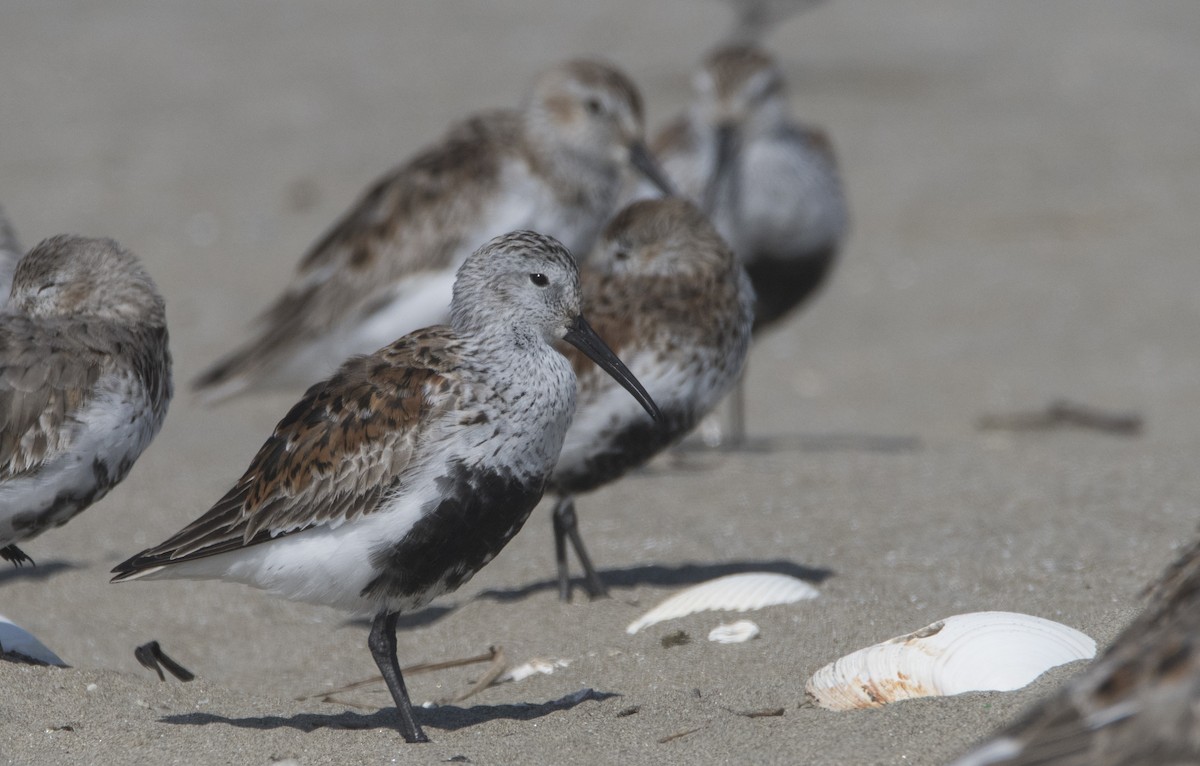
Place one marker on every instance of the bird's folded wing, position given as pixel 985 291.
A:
pixel 338 454
pixel 412 220
pixel 48 373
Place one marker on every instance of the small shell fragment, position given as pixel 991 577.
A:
pixel 735 593
pixel 734 632
pixel 536 666
pixel 980 651
pixel 16 640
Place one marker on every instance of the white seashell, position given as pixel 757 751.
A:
pixel 14 638
pixel 734 632
pixel 736 593
pixel 981 651
pixel 534 667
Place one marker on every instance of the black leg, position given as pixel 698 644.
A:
pixel 560 551
pixel 15 555
pixel 566 526
pixel 382 643
pixel 737 414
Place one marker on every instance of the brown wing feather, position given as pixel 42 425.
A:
pixel 411 220
pixel 674 137
pixel 335 456
pixel 47 373
pixel 614 303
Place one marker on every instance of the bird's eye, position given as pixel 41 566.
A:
pixel 621 255
pixel 539 279
pixel 593 106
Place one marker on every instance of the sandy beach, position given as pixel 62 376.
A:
pixel 1024 179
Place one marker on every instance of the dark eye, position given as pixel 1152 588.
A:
pixel 539 279
pixel 593 106
pixel 46 287
pixel 621 255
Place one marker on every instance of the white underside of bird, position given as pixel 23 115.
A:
pixel 108 435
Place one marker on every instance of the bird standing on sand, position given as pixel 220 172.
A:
pixel 1139 703
pixel 85 380
pixel 771 186
pixel 556 166
pixel 675 302
pixel 399 477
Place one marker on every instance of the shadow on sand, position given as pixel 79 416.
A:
pixel 669 576
pixel 827 442
pixel 427 616
pixel 444 717
pixel 43 571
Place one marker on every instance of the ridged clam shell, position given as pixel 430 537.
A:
pixel 735 593
pixel 734 632
pixel 14 638
pixel 980 651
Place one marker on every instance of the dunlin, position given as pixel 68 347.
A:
pixel 399 477
pixel 1139 703
pixel 10 252
pixel 85 380
pixel 555 166
pixel 675 302
pixel 769 184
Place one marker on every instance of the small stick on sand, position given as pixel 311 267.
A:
pixel 425 667
pixel 151 656
pixel 1065 414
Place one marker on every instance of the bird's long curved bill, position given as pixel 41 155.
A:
pixel 726 144
pixel 640 158
pixel 583 337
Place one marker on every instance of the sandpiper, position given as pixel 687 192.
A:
pixel 754 18
pixel 399 477
pixel 85 380
pixel 769 184
pixel 10 252
pixel 1137 704
pixel 675 302
pixel 555 166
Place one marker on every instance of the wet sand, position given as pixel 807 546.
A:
pixel 1024 179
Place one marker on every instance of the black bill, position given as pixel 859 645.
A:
pixel 726 146
pixel 639 157
pixel 581 335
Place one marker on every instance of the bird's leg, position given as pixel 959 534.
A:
pixel 560 551
pixel 382 643
pixel 737 414
pixel 14 554
pixel 566 526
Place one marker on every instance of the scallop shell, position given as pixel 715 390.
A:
pixel 734 632
pixel 980 651
pixel 17 640
pixel 735 593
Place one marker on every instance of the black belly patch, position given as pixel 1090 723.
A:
pixel 782 284
pixel 478 513
pixel 634 445
pixel 68 503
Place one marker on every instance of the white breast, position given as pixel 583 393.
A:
pixel 109 434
